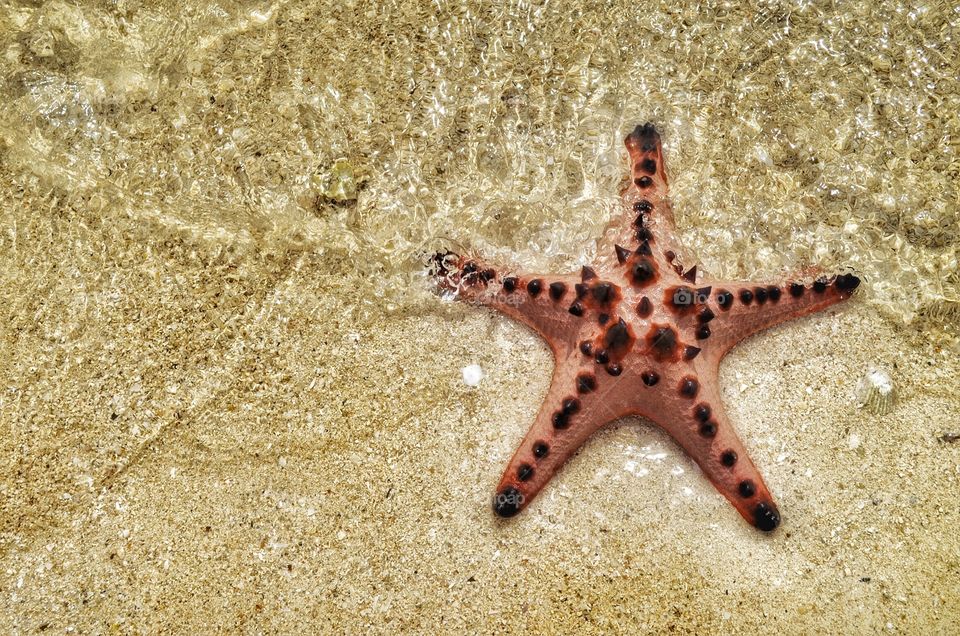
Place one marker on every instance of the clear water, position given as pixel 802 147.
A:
pixel 369 131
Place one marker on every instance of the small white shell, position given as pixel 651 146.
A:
pixel 875 392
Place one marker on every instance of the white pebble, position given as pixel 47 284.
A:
pixel 854 441
pixel 472 374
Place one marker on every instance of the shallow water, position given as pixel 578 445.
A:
pixel 231 398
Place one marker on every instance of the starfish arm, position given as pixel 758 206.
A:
pixel 547 304
pixel 742 309
pixel 646 215
pixel 701 427
pixel 576 405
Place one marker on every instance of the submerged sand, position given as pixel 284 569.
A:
pixel 229 401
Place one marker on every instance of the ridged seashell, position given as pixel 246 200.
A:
pixel 875 392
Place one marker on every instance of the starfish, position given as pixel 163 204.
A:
pixel 635 334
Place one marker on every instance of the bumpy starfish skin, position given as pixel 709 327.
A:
pixel 635 335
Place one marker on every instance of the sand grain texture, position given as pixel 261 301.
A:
pixel 230 402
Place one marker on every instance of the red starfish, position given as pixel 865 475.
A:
pixel 634 335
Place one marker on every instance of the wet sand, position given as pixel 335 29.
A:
pixel 231 403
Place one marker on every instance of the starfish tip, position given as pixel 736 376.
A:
pixel 643 137
pixel 766 517
pixel 508 502
pixel 847 282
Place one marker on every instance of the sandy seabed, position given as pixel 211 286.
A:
pixel 229 401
